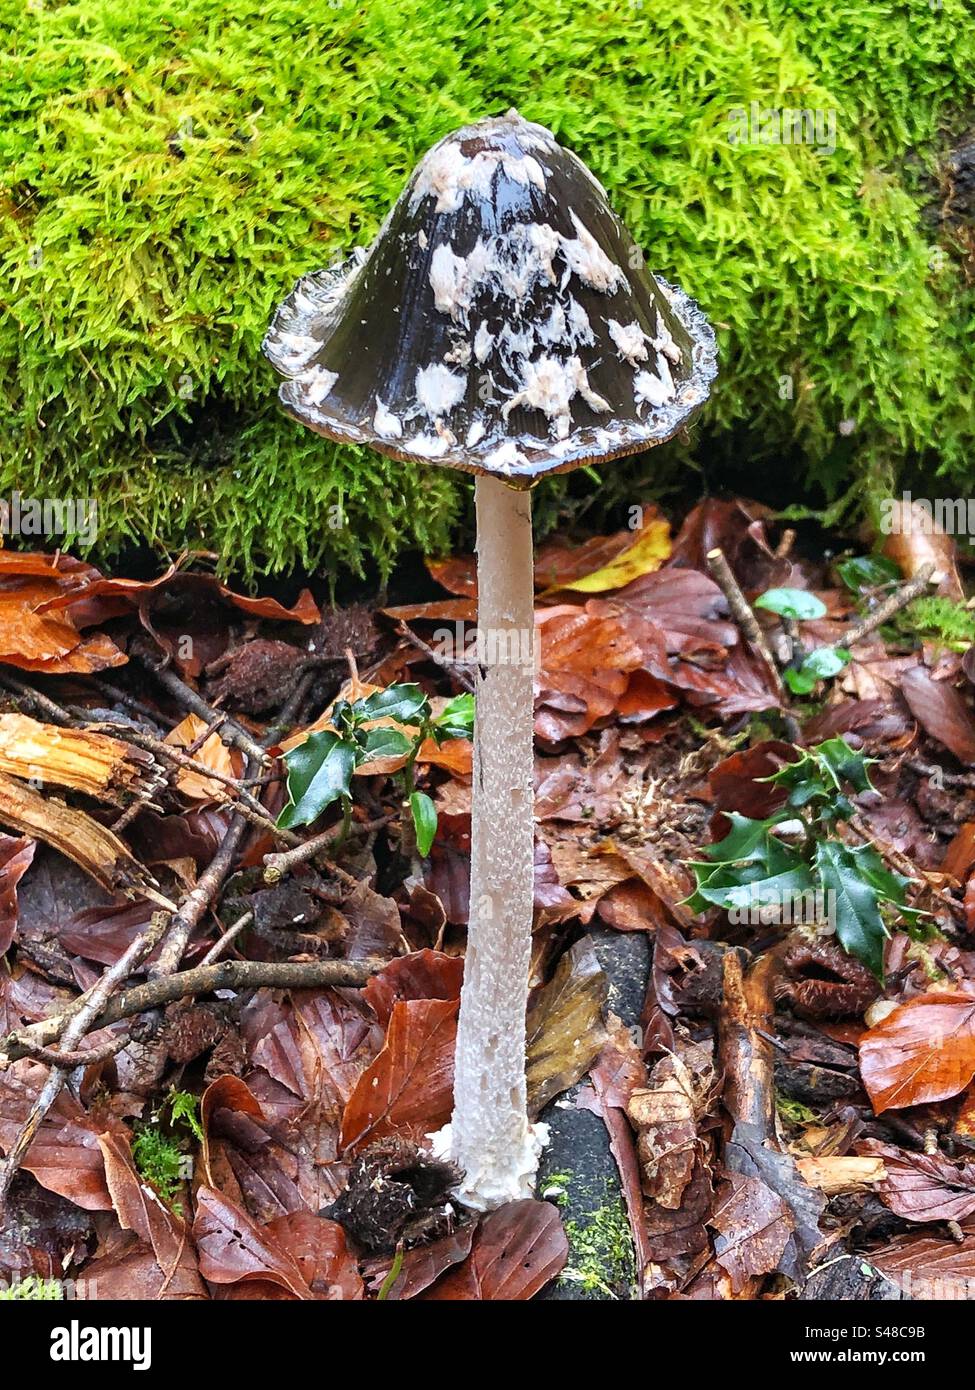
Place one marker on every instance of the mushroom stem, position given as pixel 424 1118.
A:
pixel 490 1137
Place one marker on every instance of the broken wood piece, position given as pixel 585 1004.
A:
pixel 93 763
pixel 80 838
pixel 842 1173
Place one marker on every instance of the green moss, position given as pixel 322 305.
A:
pixel 158 1159
pixel 601 1257
pixel 169 169
pixel 938 619
pixel 34 1290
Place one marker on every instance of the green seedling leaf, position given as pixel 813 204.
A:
pixel 860 928
pixel 424 821
pixel 819 665
pixel 319 772
pixel 868 572
pixel 407 704
pixel 792 603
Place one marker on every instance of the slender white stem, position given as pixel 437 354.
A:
pixel 490 1137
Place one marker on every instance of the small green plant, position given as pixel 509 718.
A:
pixel 320 770
pixel 763 866
pixel 939 620
pixel 159 1144
pixel 34 1289
pixel 802 606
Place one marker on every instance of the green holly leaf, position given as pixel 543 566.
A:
pixel 319 772
pixel 761 892
pixel 424 821
pixel 746 840
pixel 860 928
pixel 798 604
pixel 456 719
pixel 844 764
pixel 407 704
pixel 385 743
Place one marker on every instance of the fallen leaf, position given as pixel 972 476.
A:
pixel 64 1156
pixel 420 975
pixel 213 753
pixel 913 539
pixel 923 1187
pixel 410 1085
pixel 140 1209
pixel 930 1267
pixel 517 1250
pixel 753 1226
pixel 923 1051
pixel 646 553
pixel 16 857
pixel 941 712
pixel 565 1029
pixel 422 1266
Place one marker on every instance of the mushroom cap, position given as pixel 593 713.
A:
pixel 501 322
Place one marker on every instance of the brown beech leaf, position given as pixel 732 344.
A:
pixel 233 1248
pixel 565 1028
pixel 410 1085
pixel 420 975
pixel 458 574
pixel 665 1115
pixel 941 712
pixel 422 1266
pixel 753 1227
pixel 139 1209
pixel 319 1250
pixel 560 561
pixel 913 539
pixel 65 1156
pixel 214 754
pixel 517 1250
pixel 930 1267
pixel 923 1187
pixel 36 640
pixel 923 1051
pixel 585 657
pixel 16 856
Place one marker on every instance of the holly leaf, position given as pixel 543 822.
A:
pixel 860 928
pixel 424 821
pixel 407 704
pixel 385 742
pixel 456 719
pixel 798 604
pixel 319 772
pixel 868 572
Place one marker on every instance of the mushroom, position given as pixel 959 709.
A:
pixel 502 322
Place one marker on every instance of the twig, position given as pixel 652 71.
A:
pixel 908 592
pixel 85 1057
pixel 231 934
pixel 76 1027
pixel 458 669
pixel 42 703
pixel 277 865
pixel 189 699
pixel 741 611
pixel 204 979
pixel 178 757
pixel 197 900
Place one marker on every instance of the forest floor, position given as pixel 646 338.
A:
pixel 228 999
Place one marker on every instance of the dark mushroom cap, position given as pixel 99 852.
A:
pixel 501 322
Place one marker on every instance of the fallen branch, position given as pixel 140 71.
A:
pixel 202 979
pixel 277 865
pixel 90 845
pixel 883 613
